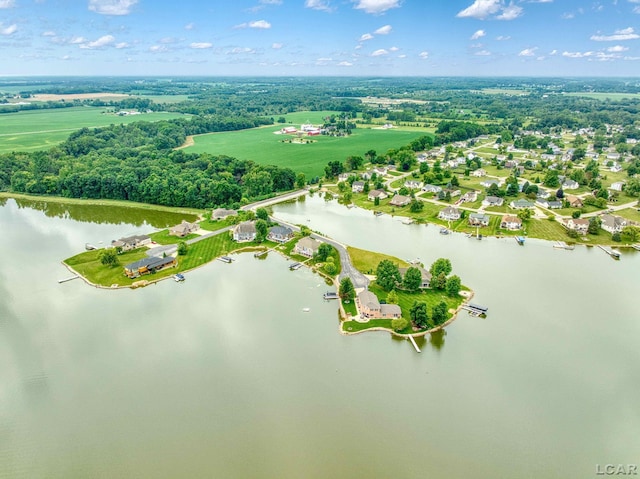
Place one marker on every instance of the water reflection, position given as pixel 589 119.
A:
pixel 102 214
pixel 437 339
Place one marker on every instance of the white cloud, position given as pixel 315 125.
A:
pixel 77 40
pixel 49 33
pixel 365 37
pixel 405 56
pixel 241 50
pixel 577 54
pixel 503 38
pixel 261 24
pixel 553 52
pixel 394 49
pixel 277 46
pixel 200 45
pixel 345 64
pixel 322 5
pixel 617 49
pixel 618 35
pixel 383 30
pixel 7 3
pixel 270 2
pixel 483 53
pixel 478 34
pixel 10 30
pixel 510 12
pixel 158 48
pixel 101 42
pixel 190 26
pixel 112 7
pixel 480 9
pixel 380 52
pixel 636 10
pixel 528 52
pixel 376 6
pixel 121 45
pixel 423 55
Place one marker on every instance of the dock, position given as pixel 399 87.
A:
pixel 520 240
pixel 71 278
pixel 610 252
pixel 330 295
pixel 259 254
pixel 415 345
pixel 295 266
pixel 563 245
pixel 475 309
pixel 636 247
pixel 225 259
pixel 89 247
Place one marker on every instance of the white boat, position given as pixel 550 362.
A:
pixel 306 310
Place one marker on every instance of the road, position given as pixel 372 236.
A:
pixel 276 199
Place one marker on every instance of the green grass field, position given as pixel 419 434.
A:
pixel 606 96
pixel 266 148
pixel 41 129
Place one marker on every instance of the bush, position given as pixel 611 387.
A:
pixel 398 324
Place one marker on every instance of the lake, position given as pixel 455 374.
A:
pixel 226 376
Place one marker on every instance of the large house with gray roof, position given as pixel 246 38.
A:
pixel 370 307
pixel 245 231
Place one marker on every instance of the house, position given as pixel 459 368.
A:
pixel 479 219
pixel 413 184
pixel 510 163
pixel 469 197
pixel 344 176
pixel 222 213
pixel 555 205
pixel 183 229
pixel 149 265
pixel 613 156
pixel 400 200
pixel 453 193
pixel 581 225
pixel 426 276
pixel 380 170
pixel 370 307
pixel 492 201
pixel 280 234
pixel 449 214
pixel 542 194
pixel 479 173
pixel 131 242
pixel 381 194
pixel 613 224
pixel 367 175
pixel 245 231
pixel 431 189
pixel 307 246
pixel 489 182
pixel 357 187
pixel 574 201
pixel 511 222
pixel 569 184
pixel 615 168
pixel 617 186
pixel 521 204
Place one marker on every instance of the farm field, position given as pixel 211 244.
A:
pixel 264 147
pixel 606 96
pixel 41 129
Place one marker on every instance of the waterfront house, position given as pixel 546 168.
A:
pixel 280 234
pixel 581 225
pixel 357 186
pixel 612 223
pixel 449 214
pixel 245 231
pixel 521 204
pixel 381 194
pixel 183 229
pixel 149 265
pixel 431 188
pixel 370 307
pixel 426 276
pixel 307 246
pixel 479 173
pixel 222 213
pixel 131 242
pixel 574 201
pixel 510 222
pixel 413 184
pixel 479 219
pixel 400 200
pixel 492 201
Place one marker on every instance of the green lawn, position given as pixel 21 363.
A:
pixel 354 326
pixel 163 237
pixel 350 308
pixel 367 261
pixel 41 129
pixel 266 148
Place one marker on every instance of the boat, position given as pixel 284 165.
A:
pixel 306 310
pixel 225 259
pixel 378 213
pixel 89 247
pixel 444 231
pixel 520 240
pixel 479 237
pixel 178 277
pixel 636 247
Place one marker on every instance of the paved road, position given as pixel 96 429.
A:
pixel 277 199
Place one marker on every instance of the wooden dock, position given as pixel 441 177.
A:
pixel 71 278
pixel 415 345
pixel 610 252
pixel 475 309
pixel 259 254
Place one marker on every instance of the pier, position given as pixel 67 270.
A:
pixel 520 240
pixel 475 309
pixel 71 278
pixel 225 259
pixel 329 295
pixel 295 266
pixel 563 245
pixel 415 345
pixel 610 252
pixel 259 254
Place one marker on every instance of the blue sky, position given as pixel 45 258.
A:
pixel 320 37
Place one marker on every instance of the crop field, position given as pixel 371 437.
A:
pixel 606 96
pixel 266 148
pixel 41 129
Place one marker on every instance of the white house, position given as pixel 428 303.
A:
pixel 449 214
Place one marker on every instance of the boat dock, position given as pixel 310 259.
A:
pixel 563 245
pixel 636 247
pixel 71 278
pixel 520 240
pixel 415 345
pixel 614 254
pixel 295 266
pixel 475 309
pixel 330 295
pixel 259 254
pixel 225 259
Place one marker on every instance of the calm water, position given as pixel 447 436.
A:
pixel 225 376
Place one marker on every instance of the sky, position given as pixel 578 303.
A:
pixel 320 37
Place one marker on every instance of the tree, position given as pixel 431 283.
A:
pixel 524 214
pixel 439 313
pixel 108 257
pixel 301 180
pixel 441 265
pixel 416 206
pixel 398 324
pixel 376 201
pixel 412 279
pixel 439 281
pixel 419 315
pixel 330 268
pixel 388 275
pixel 324 251
pixel 182 248
pixel 576 214
pixel 551 179
pixel 594 225
pixel 631 233
pixel 346 291
pixel 392 297
pixel 262 214
pixel 453 286
pixel 261 230
pixel 560 193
